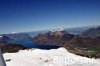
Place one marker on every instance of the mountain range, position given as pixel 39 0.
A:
pixel 86 43
pixel 81 41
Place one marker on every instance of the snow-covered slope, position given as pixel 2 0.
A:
pixel 53 57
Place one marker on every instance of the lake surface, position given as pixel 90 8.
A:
pixel 29 44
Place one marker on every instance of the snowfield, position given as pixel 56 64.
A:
pixel 53 57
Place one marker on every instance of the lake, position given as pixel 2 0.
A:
pixel 29 44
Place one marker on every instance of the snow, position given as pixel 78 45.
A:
pixel 53 57
pixel 54 30
pixel 13 32
pixel 0 36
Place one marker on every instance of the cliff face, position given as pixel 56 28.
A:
pixel 53 38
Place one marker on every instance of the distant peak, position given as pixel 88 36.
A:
pixel 54 30
pixel 0 36
pixel 13 33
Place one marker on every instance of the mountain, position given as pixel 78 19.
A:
pixel 92 32
pixel 34 33
pixel 53 38
pixel 4 39
pixel 17 35
pixel 77 44
pixel 74 30
pixel 19 38
pixel 85 42
pixel 79 30
pixel 62 38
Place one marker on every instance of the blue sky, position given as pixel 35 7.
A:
pixel 34 15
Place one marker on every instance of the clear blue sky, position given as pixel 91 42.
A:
pixel 34 15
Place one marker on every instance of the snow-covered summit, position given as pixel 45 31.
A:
pixel 1 36
pixel 13 33
pixel 54 30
